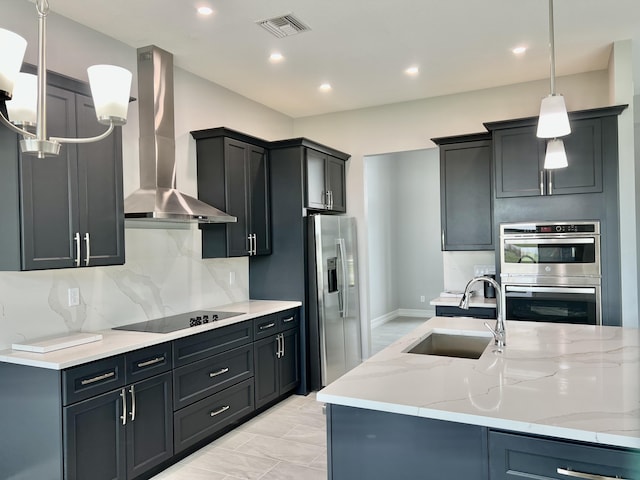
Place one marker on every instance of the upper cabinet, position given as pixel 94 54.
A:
pixel 233 175
pixel 519 156
pixel 67 210
pixel 324 173
pixel 466 193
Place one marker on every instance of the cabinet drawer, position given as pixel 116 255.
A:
pixel 203 378
pixel 266 326
pixel 206 417
pixel 288 319
pixel 147 362
pixel 518 456
pixel 203 345
pixel 88 380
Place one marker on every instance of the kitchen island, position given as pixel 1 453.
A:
pixel 561 401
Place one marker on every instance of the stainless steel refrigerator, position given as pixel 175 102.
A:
pixel 333 301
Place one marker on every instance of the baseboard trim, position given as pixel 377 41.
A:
pixel 411 312
pixel 387 317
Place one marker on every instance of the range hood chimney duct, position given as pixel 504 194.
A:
pixel 158 199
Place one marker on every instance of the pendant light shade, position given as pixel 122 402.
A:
pixel 556 157
pixel 553 121
pixel 12 47
pixel 22 108
pixel 110 87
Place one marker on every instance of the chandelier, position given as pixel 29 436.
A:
pixel 23 96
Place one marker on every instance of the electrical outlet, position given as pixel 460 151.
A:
pixel 74 297
pixel 232 278
pixel 422 298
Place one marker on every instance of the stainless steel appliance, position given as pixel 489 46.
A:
pixel 334 308
pixel 551 271
pixel 178 322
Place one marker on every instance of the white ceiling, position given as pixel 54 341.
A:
pixel 362 47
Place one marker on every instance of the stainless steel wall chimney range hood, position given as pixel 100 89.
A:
pixel 157 199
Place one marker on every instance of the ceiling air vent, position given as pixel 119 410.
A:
pixel 283 26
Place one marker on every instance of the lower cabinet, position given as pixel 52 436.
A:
pixel 513 456
pixel 277 365
pixel 119 434
pixel 476 312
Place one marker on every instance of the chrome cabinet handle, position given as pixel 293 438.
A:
pixel 250 240
pixel 267 326
pixel 589 476
pixel 442 240
pixel 255 245
pixel 219 372
pixel 541 182
pixel 282 343
pixel 278 346
pixel 150 362
pixel 87 243
pixel 76 239
pixel 219 411
pixel 133 403
pixel 104 376
pixel 550 183
pixel 123 417
pixel 290 319
pixel 330 199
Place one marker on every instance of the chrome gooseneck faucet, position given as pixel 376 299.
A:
pixel 499 331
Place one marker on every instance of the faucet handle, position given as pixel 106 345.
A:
pixel 495 334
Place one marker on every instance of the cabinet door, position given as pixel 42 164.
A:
pixel 101 205
pixel 315 173
pixel 466 196
pixel 289 363
pixel 519 161
pixel 49 193
pixel 150 424
pixel 258 188
pixel 94 439
pixel 584 156
pixel 266 370
pixel 235 153
pixel 336 184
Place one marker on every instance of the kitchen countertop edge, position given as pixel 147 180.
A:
pixel 116 342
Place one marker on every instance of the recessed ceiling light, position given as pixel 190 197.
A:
pixel 204 10
pixel 412 71
pixel 276 57
pixel 519 50
pixel 325 87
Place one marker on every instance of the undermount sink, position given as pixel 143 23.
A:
pixel 452 345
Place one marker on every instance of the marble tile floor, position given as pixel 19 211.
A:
pixel 389 332
pixel 286 442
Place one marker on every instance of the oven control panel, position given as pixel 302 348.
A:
pixel 549 228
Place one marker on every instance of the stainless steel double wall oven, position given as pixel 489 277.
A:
pixel 551 271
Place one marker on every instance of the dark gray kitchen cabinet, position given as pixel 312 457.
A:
pixel 515 456
pixel 277 361
pixel 120 434
pixel 325 182
pixel 63 211
pixel 466 193
pixel 519 156
pixel 233 175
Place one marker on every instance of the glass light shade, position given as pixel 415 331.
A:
pixel 553 121
pixel 22 108
pixel 556 157
pixel 110 88
pixel 12 48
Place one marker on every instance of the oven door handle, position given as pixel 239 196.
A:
pixel 509 288
pixel 550 240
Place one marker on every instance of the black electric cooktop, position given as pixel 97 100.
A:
pixel 178 322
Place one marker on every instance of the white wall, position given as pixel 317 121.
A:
pixel 164 272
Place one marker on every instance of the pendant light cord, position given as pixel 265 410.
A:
pixel 552 49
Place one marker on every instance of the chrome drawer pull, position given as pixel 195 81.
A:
pixel 98 378
pixel 133 403
pixel 270 325
pixel 220 410
pixel 287 320
pixel 219 372
pixel 588 476
pixel 151 362
pixel 123 417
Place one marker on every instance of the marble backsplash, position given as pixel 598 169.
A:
pixel 164 274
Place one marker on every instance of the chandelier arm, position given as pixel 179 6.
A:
pixel 16 129
pixel 85 140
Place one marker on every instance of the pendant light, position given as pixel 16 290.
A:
pixel 23 97
pixel 553 121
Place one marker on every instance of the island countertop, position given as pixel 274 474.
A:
pixel 559 380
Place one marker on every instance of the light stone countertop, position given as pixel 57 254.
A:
pixel 566 381
pixel 115 342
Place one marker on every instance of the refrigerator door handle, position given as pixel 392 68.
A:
pixel 343 290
